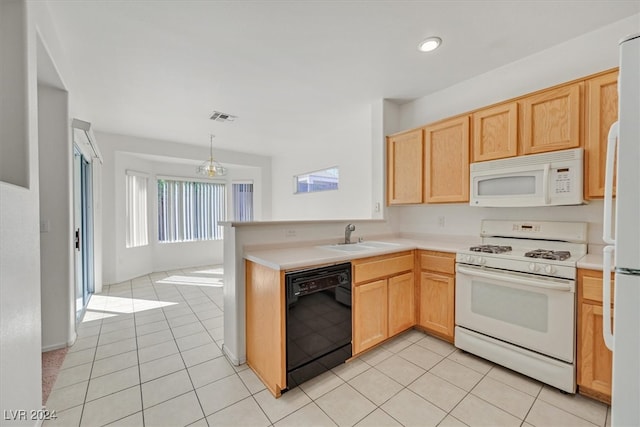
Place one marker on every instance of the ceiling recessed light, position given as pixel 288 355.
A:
pixel 429 44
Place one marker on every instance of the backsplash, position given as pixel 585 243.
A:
pixel 462 219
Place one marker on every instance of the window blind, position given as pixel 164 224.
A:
pixel 242 201
pixel 136 210
pixel 190 210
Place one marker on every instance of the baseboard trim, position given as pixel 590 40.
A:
pixel 52 347
pixel 232 357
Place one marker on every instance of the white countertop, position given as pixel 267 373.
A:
pixel 278 257
pixel 287 258
pixel 591 261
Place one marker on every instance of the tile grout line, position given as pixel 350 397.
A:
pixel 182 358
pixel 135 330
pixel 93 361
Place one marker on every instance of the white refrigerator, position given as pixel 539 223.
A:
pixel 624 242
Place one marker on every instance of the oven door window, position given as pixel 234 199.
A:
pixel 515 306
pixel 507 186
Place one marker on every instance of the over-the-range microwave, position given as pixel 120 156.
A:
pixel 548 179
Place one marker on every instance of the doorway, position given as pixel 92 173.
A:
pixel 83 231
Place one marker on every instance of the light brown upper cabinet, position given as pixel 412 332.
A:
pixel 446 161
pixel 404 168
pixel 601 111
pixel 495 132
pixel 551 119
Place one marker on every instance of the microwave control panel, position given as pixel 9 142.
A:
pixel 561 179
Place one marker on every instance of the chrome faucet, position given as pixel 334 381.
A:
pixel 347 233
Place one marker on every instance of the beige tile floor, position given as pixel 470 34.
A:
pixel 149 354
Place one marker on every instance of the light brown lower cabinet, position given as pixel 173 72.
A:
pixel 370 325
pixel 594 359
pixel 383 298
pixel 401 306
pixel 265 317
pixel 436 294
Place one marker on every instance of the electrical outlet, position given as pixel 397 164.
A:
pixel 376 208
pixel 441 221
pixel 289 234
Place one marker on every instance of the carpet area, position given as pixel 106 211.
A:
pixel 51 363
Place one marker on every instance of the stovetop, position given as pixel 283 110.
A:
pixel 541 254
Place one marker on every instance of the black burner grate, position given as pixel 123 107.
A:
pixel 494 249
pixel 548 254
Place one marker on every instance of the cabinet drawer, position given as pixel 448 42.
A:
pixel 592 288
pixel 438 261
pixel 381 267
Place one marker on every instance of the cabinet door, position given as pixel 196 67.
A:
pixel 595 361
pixel 437 298
pixel 401 303
pixel 404 168
pixel 495 132
pixel 601 111
pixel 447 161
pixel 551 120
pixel 369 315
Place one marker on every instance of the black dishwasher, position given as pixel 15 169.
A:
pixel 318 321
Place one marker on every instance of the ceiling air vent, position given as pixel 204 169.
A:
pixel 222 117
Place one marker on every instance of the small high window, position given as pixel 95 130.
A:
pixel 321 180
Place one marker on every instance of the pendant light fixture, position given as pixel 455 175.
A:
pixel 211 168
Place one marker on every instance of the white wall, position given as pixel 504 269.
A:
pixel 346 144
pixel 588 54
pixel 168 159
pixel 464 220
pixel 14 151
pixel 56 245
pixel 20 363
pixel 23 27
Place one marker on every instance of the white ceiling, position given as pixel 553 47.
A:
pixel 288 69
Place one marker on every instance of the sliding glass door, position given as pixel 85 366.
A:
pixel 83 231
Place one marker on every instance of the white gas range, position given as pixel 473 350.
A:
pixel 515 297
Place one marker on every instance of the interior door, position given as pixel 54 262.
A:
pixel 83 231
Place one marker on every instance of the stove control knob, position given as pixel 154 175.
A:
pixel 533 267
pixel 482 261
pixel 470 259
pixel 549 269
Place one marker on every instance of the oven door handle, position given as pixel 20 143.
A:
pixel 504 277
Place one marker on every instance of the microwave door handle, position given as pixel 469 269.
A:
pixel 545 183
pixel 612 141
pixel 506 277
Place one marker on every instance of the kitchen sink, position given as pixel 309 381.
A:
pixel 352 247
pixel 376 244
pixel 359 247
